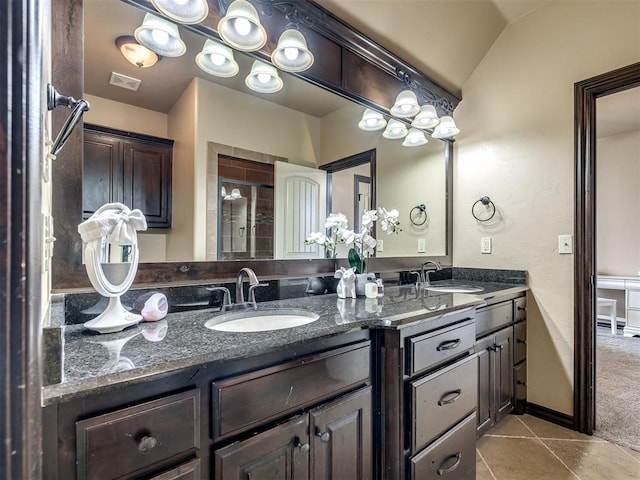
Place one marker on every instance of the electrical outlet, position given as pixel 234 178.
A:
pixel 565 244
pixel 485 245
pixel 380 245
pixel 422 245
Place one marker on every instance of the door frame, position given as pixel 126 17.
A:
pixel 586 93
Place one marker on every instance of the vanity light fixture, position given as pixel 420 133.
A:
pixel 406 105
pixel 241 27
pixel 263 78
pixel 426 118
pixel 183 11
pixel 414 138
pixel 161 36
pixel 292 53
pixel 446 128
pixel 217 59
pixel 137 54
pixel 395 129
pixel 372 121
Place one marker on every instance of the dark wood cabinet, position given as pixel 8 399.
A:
pixel 129 168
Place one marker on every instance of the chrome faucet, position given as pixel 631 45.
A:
pixel 226 297
pixel 425 273
pixel 253 284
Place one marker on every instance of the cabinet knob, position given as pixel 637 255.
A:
pixel 147 443
pixel 522 309
pixel 324 436
pixel 304 447
pixel 519 340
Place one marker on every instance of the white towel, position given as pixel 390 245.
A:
pixel 116 222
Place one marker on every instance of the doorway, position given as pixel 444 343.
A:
pixel 586 93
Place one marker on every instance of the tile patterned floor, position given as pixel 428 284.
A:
pixel 527 448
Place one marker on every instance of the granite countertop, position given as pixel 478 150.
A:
pixel 90 361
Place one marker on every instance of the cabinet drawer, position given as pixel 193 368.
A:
pixel 453 456
pixel 520 308
pixel 520 345
pixel 432 349
pixel 441 399
pixel 187 471
pixel 247 400
pixel 493 317
pixel 633 298
pixel 121 442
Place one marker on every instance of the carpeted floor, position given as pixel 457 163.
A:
pixel 618 388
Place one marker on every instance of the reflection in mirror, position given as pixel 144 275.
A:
pixel 212 118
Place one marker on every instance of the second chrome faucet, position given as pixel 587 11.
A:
pixel 239 300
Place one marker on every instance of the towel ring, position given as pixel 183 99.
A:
pixel 486 201
pixel 418 214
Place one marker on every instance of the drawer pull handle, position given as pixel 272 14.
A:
pixel 324 436
pixel 522 309
pixel 304 447
pixel 147 443
pixel 446 401
pixel 520 382
pixel 444 471
pixel 524 342
pixel 448 345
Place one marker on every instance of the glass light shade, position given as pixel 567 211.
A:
pixel 414 138
pixel 446 128
pixel 427 118
pixel 372 121
pixel 161 36
pixel 241 27
pixel 217 59
pixel 135 53
pixel 183 11
pixel 395 129
pixel 235 193
pixel 223 192
pixel 406 105
pixel 292 54
pixel 263 78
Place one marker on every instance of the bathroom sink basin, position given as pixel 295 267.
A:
pixel 454 288
pixel 261 321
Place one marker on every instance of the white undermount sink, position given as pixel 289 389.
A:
pixel 261 321
pixel 454 288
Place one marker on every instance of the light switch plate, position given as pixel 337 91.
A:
pixel 380 245
pixel 422 245
pixel 565 243
pixel 485 245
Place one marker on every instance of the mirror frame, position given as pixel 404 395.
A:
pixel 351 65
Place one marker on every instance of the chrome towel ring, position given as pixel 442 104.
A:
pixel 490 208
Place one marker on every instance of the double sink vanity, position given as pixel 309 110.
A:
pixel 392 387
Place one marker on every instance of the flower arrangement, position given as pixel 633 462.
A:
pixel 362 243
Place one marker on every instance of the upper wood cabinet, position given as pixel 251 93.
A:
pixel 130 168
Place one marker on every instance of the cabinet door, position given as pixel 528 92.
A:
pixel 280 453
pixel 484 350
pixel 102 171
pixel 504 372
pixel 341 440
pixel 147 170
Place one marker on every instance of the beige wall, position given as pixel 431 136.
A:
pixel 516 146
pixel 618 199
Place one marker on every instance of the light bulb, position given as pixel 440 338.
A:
pixel 159 36
pixel 370 122
pixel 180 2
pixel 217 59
pixel 291 53
pixel 396 130
pixel 242 26
pixel 405 107
pixel 264 77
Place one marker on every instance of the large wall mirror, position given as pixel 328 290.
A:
pixel 231 144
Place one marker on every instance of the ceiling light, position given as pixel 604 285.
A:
pixel 183 11
pixel 406 105
pixel 414 138
pixel 263 78
pixel 241 27
pixel 372 121
pixel 427 118
pixel 395 129
pixel 161 36
pixel 446 128
pixel 217 59
pixel 292 54
pixel 135 53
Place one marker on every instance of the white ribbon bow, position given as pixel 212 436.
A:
pixel 116 222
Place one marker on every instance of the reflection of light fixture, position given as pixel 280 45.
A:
pixel 414 138
pixel 183 11
pixel 372 121
pixel 446 128
pixel 235 193
pixel 223 192
pixel 395 129
pixel 406 105
pixel 161 36
pixel 135 53
pixel 292 54
pixel 241 27
pixel 263 78
pixel 217 59
pixel 427 118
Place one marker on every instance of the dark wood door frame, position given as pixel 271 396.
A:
pixel 586 93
